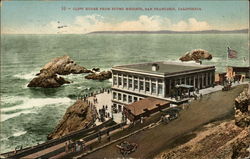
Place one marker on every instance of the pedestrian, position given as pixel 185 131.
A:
pixel 66 147
pixel 108 138
pixel 141 120
pixel 99 138
pixel 83 145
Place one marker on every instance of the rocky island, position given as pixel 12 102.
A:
pixel 100 75
pixel 48 75
pixel 196 55
pixel 78 116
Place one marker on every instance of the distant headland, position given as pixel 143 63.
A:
pixel 242 31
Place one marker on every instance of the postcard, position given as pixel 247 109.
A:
pixel 125 79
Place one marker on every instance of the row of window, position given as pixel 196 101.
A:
pixel 139 85
pixel 125 97
pixel 191 81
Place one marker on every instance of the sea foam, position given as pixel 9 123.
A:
pixel 26 76
pixel 29 105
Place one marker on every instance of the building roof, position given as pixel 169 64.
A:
pixel 149 103
pixel 164 67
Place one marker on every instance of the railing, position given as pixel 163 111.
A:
pixel 53 142
pixel 86 139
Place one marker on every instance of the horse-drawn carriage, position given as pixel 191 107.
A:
pixel 126 148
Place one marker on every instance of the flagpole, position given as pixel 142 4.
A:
pixel 227 56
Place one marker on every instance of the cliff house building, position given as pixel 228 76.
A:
pixel 134 82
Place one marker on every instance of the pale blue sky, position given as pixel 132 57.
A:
pixel 43 16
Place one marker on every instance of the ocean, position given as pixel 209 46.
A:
pixel 29 114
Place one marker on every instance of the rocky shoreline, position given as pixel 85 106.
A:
pixel 220 139
pixel 49 75
pixel 78 116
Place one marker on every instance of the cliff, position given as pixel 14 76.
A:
pixel 221 139
pixel 242 112
pixel 100 76
pixel 48 75
pixel 215 140
pixel 78 116
pixel 196 55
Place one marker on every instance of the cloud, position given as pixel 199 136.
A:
pixel 89 23
pixel 95 22
pixel 191 25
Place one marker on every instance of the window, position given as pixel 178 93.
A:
pixel 209 78
pixel 119 81
pixel 178 81
pixel 172 84
pixel 204 80
pixel 130 83
pixel 147 86
pixel 119 96
pixel 136 83
pixel 124 98
pixel 192 81
pixel 141 85
pixel 188 81
pixel 153 88
pixel 114 80
pixel 114 95
pixel 135 99
pixel 159 88
pixel 125 82
pixel 130 99
pixel 183 81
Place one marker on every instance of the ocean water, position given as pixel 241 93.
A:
pixel 29 114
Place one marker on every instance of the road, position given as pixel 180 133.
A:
pixel 153 141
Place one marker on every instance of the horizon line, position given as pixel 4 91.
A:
pixel 127 31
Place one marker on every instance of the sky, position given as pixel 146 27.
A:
pixel 74 17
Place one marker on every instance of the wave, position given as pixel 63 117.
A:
pixel 26 76
pixel 28 105
pixel 19 133
pixel 13 115
pixel 36 102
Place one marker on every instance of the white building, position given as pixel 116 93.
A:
pixel 133 82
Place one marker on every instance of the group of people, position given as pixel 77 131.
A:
pixel 103 113
pixel 75 146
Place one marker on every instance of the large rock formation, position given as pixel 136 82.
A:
pixel 48 76
pixel 215 140
pixel 78 116
pixel 100 76
pixel 196 55
pixel 242 112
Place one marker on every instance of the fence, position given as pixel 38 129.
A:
pixel 86 139
pixel 53 142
